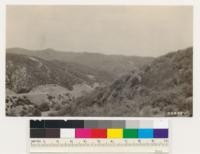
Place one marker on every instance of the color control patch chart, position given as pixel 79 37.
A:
pixel 99 136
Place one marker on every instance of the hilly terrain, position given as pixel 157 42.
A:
pixel 51 83
pixel 161 88
pixel 44 82
pixel 114 65
pixel 23 73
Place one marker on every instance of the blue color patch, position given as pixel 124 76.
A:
pixel 145 133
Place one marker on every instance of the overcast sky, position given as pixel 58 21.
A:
pixel 126 30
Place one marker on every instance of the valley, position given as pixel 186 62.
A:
pixel 54 83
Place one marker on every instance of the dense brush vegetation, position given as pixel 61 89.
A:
pixel 162 88
pixel 23 73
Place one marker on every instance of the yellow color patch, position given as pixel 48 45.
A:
pixel 114 133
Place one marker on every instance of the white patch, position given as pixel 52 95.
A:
pixel 49 89
pixel 36 60
pixel 91 76
pixel 81 89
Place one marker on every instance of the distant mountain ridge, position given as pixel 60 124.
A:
pixel 23 73
pixel 116 65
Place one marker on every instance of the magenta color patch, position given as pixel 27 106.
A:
pixel 83 133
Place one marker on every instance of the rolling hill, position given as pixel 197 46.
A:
pixel 161 88
pixel 47 83
pixel 114 65
pixel 23 73
pixel 51 83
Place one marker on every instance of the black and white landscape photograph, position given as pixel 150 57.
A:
pixel 99 61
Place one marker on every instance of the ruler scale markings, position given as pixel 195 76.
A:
pixel 98 135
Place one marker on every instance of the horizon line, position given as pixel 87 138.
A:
pixel 89 52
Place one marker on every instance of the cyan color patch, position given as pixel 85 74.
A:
pixel 145 133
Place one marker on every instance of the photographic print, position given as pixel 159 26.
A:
pixel 99 61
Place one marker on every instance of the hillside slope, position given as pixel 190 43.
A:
pixel 162 88
pixel 39 87
pixel 47 83
pixel 23 73
pixel 114 65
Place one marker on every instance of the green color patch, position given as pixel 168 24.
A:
pixel 130 133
